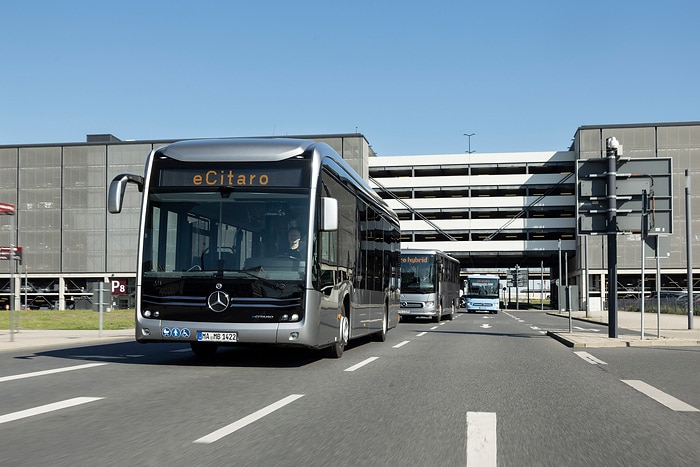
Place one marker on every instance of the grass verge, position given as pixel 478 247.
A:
pixel 68 319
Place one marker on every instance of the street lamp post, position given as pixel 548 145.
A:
pixel 469 135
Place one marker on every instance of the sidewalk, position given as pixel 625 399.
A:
pixel 665 330
pixel 39 340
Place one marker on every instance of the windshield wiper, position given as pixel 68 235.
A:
pixel 277 286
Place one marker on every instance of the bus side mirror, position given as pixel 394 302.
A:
pixel 329 214
pixel 115 199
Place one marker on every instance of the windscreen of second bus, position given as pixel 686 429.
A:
pixel 223 231
pixel 481 287
pixel 417 273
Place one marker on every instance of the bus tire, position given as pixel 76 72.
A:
pixel 381 335
pixel 203 349
pixel 336 350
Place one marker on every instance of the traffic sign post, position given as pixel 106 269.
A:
pixel 101 298
pixel 619 195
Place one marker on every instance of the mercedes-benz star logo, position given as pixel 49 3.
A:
pixel 218 301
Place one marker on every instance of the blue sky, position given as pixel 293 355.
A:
pixel 412 76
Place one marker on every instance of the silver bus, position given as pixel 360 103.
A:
pixel 267 241
pixel 429 284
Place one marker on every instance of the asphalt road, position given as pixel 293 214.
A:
pixel 478 390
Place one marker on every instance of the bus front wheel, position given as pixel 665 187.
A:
pixel 336 350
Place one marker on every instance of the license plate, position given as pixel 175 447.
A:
pixel 212 336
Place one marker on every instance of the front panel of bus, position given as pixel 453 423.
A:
pixel 419 286
pixel 216 263
pixel 483 294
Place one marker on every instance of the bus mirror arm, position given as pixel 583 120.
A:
pixel 117 188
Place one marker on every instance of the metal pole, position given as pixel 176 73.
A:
pixel 11 261
pixel 559 281
pixel 541 285
pixel 611 153
pixel 658 287
pixel 689 249
pixel 517 287
pixel 644 196
pixel 588 294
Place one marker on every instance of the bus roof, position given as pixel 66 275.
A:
pixel 239 149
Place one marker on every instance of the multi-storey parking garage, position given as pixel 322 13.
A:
pixel 491 211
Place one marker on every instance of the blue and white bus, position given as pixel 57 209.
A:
pixel 429 284
pixel 214 265
pixel 482 293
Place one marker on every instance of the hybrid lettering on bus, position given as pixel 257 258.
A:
pixel 266 241
pixel 429 284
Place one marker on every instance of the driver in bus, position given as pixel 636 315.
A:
pixel 294 238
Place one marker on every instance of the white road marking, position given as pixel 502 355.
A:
pixel 485 326
pixel 49 372
pixel 421 334
pixel 433 328
pixel 590 358
pixel 400 344
pixel 47 408
pixel 660 396
pixel 534 328
pixel 245 421
pixel 481 439
pixel 361 364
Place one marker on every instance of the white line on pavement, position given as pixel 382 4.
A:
pixel 421 333
pixel 245 421
pixel 400 344
pixel 47 408
pixel 590 358
pixel 361 364
pixel 660 396
pixel 49 372
pixel 481 439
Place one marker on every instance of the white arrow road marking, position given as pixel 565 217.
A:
pixel 245 421
pixel 660 396
pixel 49 372
pixel 361 364
pixel 485 326
pixel 590 358
pixel 47 408
pixel 481 439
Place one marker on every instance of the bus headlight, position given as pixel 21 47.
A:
pixel 429 304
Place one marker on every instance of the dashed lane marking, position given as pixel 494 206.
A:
pixel 47 408
pixel 361 364
pixel 49 372
pixel 245 421
pixel 660 396
pixel 481 439
pixel 590 358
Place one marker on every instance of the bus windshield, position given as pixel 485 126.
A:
pixel 482 287
pixel 417 273
pixel 224 232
